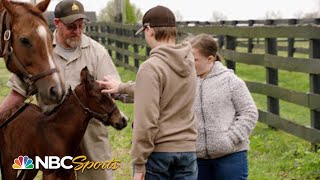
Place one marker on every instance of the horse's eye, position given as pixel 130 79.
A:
pixel 25 42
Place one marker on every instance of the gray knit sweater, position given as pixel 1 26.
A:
pixel 226 113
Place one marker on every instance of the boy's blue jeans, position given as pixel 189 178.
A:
pixel 230 167
pixel 172 165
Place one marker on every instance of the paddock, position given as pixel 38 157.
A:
pixel 280 63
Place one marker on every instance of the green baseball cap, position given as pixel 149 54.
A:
pixel 69 10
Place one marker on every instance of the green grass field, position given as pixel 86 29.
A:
pixel 274 154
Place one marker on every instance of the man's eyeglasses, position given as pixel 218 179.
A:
pixel 73 27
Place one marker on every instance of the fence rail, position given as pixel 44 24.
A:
pixel 238 41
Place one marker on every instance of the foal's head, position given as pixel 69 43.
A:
pixel 102 106
pixel 27 49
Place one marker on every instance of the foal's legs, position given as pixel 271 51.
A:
pixel 8 172
pixel 29 174
pixel 20 176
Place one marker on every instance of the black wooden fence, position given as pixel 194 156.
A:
pixel 268 36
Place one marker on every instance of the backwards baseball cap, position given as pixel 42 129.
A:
pixel 69 10
pixel 158 16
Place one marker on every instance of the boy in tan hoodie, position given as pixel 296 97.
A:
pixel 164 131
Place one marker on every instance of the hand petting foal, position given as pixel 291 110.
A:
pixel 109 85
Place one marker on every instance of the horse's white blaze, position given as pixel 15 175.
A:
pixel 41 30
pixel 124 116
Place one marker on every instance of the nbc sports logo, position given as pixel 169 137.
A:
pixel 22 162
pixel 66 162
pixel 50 162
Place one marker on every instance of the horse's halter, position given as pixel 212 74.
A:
pixel 7 53
pixel 104 118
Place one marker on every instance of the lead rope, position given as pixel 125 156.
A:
pixel 15 114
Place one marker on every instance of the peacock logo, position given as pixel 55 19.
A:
pixel 22 162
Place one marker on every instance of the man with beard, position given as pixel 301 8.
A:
pixel 72 51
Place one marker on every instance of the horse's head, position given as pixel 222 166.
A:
pixel 26 45
pixel 100 106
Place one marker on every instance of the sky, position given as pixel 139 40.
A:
pixel 201 10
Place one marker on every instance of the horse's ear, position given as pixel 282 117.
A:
pixel 86 78
pixel 84 73
pixel 9 7
pixel 43 5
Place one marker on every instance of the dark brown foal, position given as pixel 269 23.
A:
pixel 33 134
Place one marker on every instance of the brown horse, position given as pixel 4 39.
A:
pixel 33 134
pixel 26 45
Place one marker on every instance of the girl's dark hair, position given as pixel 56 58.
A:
pixel 206 45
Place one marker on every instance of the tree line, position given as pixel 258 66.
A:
pixel 134 15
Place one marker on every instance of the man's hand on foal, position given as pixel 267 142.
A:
pixel 109 85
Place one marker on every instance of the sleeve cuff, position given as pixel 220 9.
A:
pixel 139 168
pixel 15 88
pixel 127 88
pixel 234 137
pixel 122 87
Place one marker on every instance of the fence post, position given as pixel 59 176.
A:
pixel 109 40
pixel 136 51
pixel 272 74
pixel 119 44
pixel 103 38
pixel 220 37
pixel 126 46
pixel 315 86
pixel 94 29
pixel 250 41
pixel 99 30
pixel 291 48
pixel 87 29
pixel 231 45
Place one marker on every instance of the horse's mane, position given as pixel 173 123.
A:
pixel 7 113
pixel 30 8
pixel 60 105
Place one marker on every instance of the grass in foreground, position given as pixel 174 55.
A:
pixel 274 154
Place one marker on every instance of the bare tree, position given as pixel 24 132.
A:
pixel 218 16
pixel 138 12
pixel 178 15
pixel 119 9
pixel 108 13
pixel 273 15
pixel 318 4
pixel 311 15
pixel 298 15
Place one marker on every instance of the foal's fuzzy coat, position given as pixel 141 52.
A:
pixel 33 134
